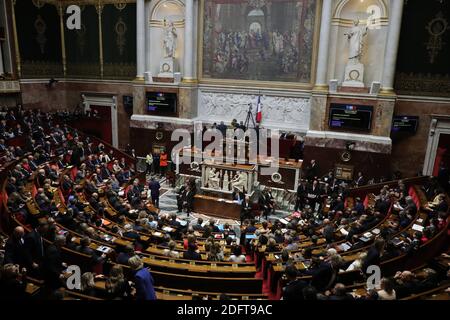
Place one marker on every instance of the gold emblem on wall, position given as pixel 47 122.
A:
pixel 436 28
pixel 121 29
pixel 38 3
pixel 40 27
pixel 120 6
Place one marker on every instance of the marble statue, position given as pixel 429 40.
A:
pixel 213 179
pixel 170 40
pixel 226 182
pixel 354 70
pixel 239 182
pixel 356 38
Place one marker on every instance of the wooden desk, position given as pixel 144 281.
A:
pixel 217 207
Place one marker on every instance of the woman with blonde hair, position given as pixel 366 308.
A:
pixel 88 284
pixel 358 263
pixel 143 280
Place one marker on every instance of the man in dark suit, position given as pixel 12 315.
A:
pixel 301 194
pixel 294 287
pixel 313 194
pixel 374 255
pixel 154 187
pixel 246 209
pixel 15 250
pixel 53 264
pixel 312 170
pixel 359 206
pixel 360 181
pixel 34 243
pixel 191 254
pixel 190 194
pixel 325 276
pixel 238 196
pixel 181 196
pixel 198 226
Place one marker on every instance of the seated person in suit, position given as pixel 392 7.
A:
pixel 191 253
pixel 294 287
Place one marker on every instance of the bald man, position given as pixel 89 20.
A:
pixel 15 250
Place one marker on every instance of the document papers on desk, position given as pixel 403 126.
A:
pixel 104 249
pixel 417 227
pixel 345 246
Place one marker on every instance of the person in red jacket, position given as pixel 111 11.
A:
pixel 163 163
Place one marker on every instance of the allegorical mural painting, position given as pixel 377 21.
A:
pixel 263 40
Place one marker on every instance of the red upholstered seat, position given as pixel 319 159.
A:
pixel 366 202
pixel 73 173
pixel 413 194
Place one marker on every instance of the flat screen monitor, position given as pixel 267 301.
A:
pixel 128 102
pixel 161 103
pixel 407 124
pixel 350 117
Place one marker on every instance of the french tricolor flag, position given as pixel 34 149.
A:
pixel 259 110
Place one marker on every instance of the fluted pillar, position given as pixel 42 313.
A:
pixel 324 44
pixel 140 39
pixel 390 58
pixel 2 70
pixel 189 47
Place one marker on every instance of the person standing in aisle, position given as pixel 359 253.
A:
pixel 149 162
pixel 163 163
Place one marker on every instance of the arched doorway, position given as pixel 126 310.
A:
pixel 106 107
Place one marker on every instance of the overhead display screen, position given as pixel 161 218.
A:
pixel 405 124
pixel 350 117
pixel 161 103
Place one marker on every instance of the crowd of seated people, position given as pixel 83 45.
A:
pixel 93 180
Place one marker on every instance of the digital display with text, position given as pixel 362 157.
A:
pixel 405 124
pixel 161 103
pixel 350 117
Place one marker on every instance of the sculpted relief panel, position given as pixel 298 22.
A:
pixel 282 112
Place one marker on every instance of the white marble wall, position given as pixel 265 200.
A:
pixel 281 112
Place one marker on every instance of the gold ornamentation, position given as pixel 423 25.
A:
pixel 423 84
pixel 40 27
pixel 122 71
pixel 38 3
pixel 436 28
pixel 120 6
pixel 257 4
pixel 121 30
pixel 35 69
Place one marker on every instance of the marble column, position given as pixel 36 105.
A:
pixel 324 43
pixel 2 71
pixel 140 39
pixel 148 45
pixel 390 58
pixel 189 47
